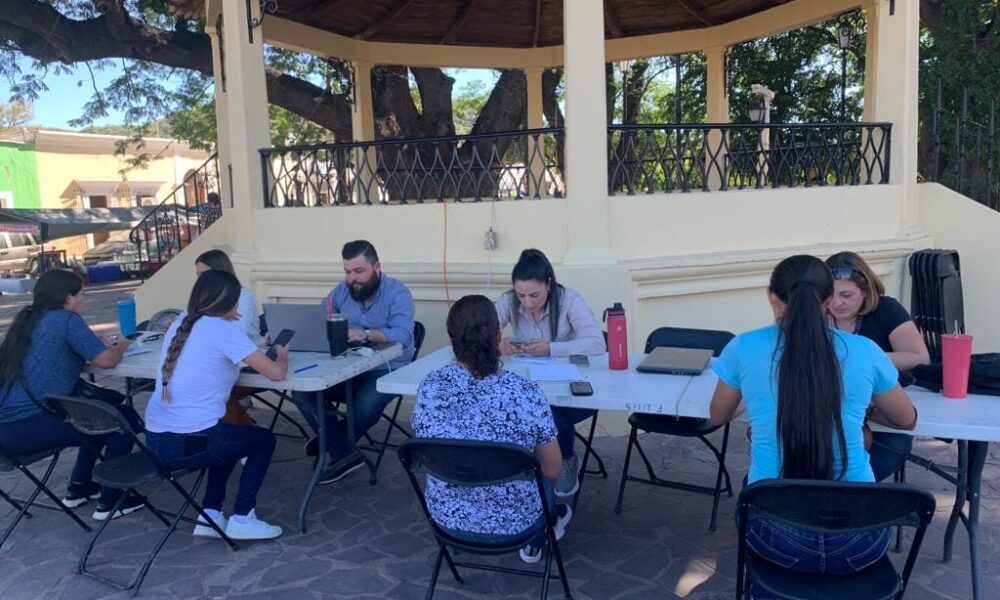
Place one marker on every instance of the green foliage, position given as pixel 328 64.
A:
pixel 468 103
pixel 802 67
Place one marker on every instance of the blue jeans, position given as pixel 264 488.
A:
pixel 816 552
pixel 538 540
pixel 219 448
pixel 368 406
pixel 566 419
pixel 43 431
pixel 888 452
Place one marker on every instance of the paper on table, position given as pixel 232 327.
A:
pixel 556 372
pixel 136 349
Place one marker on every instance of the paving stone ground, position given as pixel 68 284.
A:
pixel 367 542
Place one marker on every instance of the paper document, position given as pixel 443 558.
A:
pixel 136 349
pixel 556 372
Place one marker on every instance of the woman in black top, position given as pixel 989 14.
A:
pixel 860 306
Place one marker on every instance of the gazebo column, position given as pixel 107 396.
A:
pixel 892 74
pixel 242 118
pixel 587 208
pixel 717 111
pixel 535 146
pixel 363 130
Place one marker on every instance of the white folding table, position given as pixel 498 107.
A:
pixel 973 421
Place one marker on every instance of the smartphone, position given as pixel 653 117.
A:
pixel 581 388
pixel 517 343
pixel 282 340
pixel 579 360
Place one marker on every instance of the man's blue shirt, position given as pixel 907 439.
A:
pixel 390 311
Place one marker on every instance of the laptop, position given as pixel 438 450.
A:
pixel 308 321
pixel 675 361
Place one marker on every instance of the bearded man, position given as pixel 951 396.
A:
pixel 379 310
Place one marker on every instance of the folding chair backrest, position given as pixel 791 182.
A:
pixel 89 417
pixel 469 463
pixel 419 333
pixel 836 506
pixel 680 337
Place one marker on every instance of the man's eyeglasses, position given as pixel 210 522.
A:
pixel 845 272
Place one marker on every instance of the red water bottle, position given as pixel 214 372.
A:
pixel 617 337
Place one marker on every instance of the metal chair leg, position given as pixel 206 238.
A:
pixel 628 458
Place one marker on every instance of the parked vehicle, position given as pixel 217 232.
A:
pixel 17 251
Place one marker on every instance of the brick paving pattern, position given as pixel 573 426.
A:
pixel 367 542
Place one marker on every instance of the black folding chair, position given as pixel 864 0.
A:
pixel 473 464
pixel 677 337
pixel 92 417
pixel 830 506
pixel 10 462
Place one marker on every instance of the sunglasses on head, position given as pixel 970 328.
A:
pixel 845 272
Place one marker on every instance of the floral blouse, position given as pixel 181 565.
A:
pixel 504 407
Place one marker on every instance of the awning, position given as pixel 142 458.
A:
pixel 115 188
pixel 54 223
pixel 86 187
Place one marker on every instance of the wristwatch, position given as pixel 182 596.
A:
pixel 368 333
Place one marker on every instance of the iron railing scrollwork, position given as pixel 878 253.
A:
pixel 178 219
pixel 963 152
pixel 510 165
pixel 717 157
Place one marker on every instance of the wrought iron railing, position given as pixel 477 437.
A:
pixel 964 154
pixel 717 157
pixel 496 166
pixel 178 219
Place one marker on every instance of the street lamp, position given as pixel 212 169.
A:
pixel 624 65
pixel 844 41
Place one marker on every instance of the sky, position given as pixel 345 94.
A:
pixel 64 100
pixel 67 93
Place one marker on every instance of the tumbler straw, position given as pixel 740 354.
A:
pixel 329 307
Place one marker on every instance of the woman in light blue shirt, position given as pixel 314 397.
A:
pixel 806 388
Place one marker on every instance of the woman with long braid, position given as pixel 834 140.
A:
pixel 201 359
pixel 806 387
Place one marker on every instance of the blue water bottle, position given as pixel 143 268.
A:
pixel 126 316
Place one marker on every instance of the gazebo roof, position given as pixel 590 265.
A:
pixel 500 23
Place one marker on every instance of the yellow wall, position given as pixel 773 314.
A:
pixel 699 260
pixel 65 157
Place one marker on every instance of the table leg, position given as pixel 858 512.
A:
pixel 977 459
pixel 961 493
pixel 586 456
pixel 971 460
pixel 320 459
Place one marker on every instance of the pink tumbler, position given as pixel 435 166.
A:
pixel 956 354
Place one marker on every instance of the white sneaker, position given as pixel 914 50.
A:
pixel 532 554
pixel 564 513
pixel 569 478
pixel 202 529
pixel 251 528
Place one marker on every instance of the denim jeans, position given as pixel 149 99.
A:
pixel 219 448
pixel 368 406
pixel 888 452
pixel 538 540
pixel 816 552
pixel 566 419
pixel 43 431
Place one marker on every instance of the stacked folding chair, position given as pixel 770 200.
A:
pixel 936 297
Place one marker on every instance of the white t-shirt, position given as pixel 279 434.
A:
pixel 247 307
pixel 205 372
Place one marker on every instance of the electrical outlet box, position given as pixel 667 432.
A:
pixel 490 239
